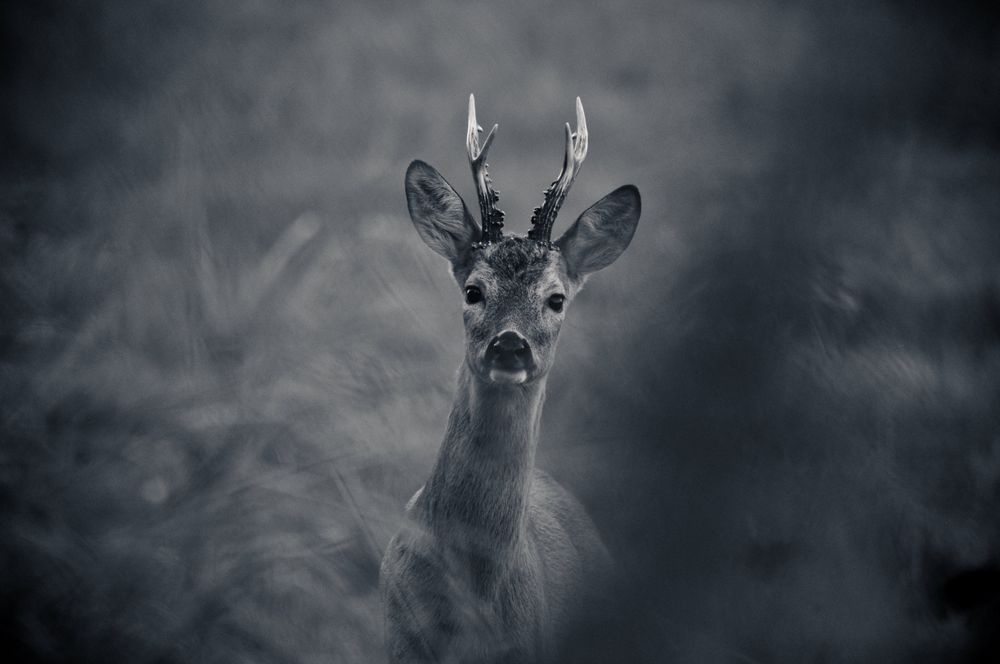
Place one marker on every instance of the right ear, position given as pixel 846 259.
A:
pixel 438 212
pixel 604 230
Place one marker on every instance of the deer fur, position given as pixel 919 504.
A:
pixel 495 556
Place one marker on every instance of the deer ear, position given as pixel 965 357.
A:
pixel 438 212
pixel 602 232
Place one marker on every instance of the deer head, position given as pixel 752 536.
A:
pixel 517 289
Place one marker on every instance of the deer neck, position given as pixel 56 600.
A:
pixel 477 496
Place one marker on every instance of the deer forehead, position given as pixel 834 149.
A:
pixel 520 267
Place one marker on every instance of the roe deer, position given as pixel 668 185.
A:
pixel 495 554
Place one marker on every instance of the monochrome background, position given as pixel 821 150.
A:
pixel 226 359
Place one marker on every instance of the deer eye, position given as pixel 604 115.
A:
pixel 556 302
pixel 473 294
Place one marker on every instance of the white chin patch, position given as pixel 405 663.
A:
pixel 511 377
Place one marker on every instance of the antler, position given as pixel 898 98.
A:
pixel 492 216
pixel 576 151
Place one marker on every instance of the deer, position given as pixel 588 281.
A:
pixel 494 555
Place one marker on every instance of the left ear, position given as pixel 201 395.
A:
pixel 602 232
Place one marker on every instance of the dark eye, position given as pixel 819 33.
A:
pixel 556 301
pixel 473 294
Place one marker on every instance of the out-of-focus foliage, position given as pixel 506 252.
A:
pixel 226 359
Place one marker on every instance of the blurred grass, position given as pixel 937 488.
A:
pixel 227 359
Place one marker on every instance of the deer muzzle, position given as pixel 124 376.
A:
pixel 508 358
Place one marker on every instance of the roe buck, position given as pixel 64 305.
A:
pixel 495 554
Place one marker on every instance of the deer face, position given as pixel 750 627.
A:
pixel 515 290
pixel 515 295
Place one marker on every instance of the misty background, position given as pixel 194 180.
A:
pixel 226 359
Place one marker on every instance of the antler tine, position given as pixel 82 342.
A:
pixel 576 151
pixel 492 217
pixel 582 137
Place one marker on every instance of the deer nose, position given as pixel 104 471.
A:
pixel 509 342
pixel 509 351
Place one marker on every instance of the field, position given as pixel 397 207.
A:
pixel 226 359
